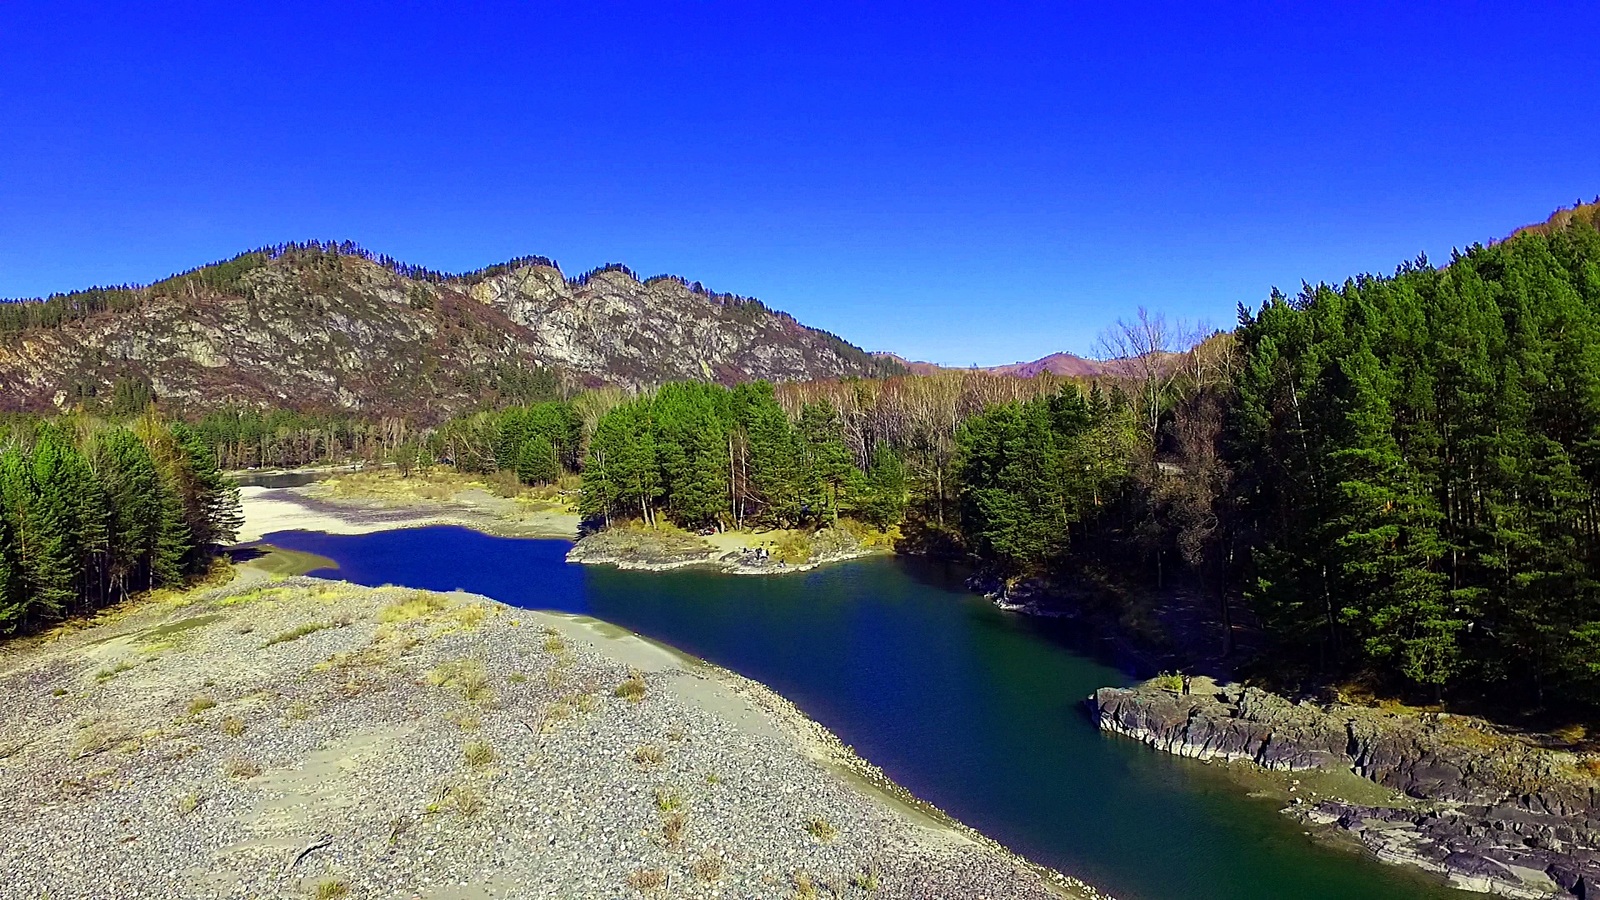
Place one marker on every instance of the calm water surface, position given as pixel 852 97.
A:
pixel 976 710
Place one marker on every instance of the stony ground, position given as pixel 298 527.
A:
pixel 302 738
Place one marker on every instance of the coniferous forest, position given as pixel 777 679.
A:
pixel 1393 479
pixel 91 513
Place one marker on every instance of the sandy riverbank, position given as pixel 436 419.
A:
pixel 285 737
pixel 313 508
pixel 732 552
pixel 369 502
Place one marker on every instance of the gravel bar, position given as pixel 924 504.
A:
pixel 311 738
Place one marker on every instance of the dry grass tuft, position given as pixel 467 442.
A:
pixel 232 726
pixel 463 720
pixel 669 799
pixel 98 737
pixel 479 753
pixel 821 829
pixel 1571 734
pixel 200 704
pixel 188 803
pixel 240 767
pixel 470 615
pixel 804 887
pixel 632 689
pixel 333 889
pixel 418 605
pixel 648 755
pixel 111 672
pixel 466 675
pixel 647 879
pixel 296 633
pixel 708 867
pixel 462 799
pixel 673 826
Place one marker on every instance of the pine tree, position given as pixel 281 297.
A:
pixel 626 473
pixel 884 502
pixel 54 563
pixel 11 597
pixel 536 461
pixel 173 542
pixel 210 500
pixel 1384 539
pixel 775 470
pixel 829 470
pixel 133 489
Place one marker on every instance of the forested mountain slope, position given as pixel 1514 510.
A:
pixel 332 327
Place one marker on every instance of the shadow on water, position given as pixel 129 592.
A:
pixel 276 479
pixel 974 709
pixel 943 577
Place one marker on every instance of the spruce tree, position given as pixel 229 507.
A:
pixel 11 597
pixel 829 471
pixel 885 495
pixel 54 560
pixel 133 489
pixel 536 461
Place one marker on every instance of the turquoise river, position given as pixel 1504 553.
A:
pixel 976 710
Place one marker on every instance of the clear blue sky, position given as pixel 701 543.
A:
pixel 967 184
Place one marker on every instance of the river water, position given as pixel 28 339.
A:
pixel 976 710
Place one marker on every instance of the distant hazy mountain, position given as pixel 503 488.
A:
pixel 1063 364
pixel 325 326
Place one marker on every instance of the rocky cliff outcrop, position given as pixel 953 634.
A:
pixel 1488 810
pixel 342 331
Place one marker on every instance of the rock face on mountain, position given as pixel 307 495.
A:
pixel 1489 811
pixel 339 330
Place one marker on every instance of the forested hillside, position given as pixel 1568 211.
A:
pixel 1397 475
pixel 329 327
pixel 1418 460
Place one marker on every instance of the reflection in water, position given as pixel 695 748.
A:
pixel 276 479
pixel 976 710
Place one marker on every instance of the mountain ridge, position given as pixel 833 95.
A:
pixel 333 326
pixel 1062 364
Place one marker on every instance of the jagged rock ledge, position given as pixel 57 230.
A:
pixel 1489 811
pixel 1029 596
pixel 659 551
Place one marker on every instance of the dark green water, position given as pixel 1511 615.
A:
pixel 975 710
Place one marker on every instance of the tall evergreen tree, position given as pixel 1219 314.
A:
pixel 536 461
pixel 12 605
pixel 54 564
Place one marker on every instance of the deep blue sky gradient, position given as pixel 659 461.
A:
pixel 968 184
